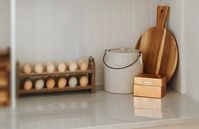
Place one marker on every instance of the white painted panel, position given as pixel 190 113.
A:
pixel 176 27
pixel 184 23
pixel 4 23
pixel 13 51
pixel 191 46
pixel 57 30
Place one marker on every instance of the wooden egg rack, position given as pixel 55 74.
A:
pixel 90 72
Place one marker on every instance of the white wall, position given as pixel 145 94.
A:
pixel 184 22
pixel 47 28
pixel 4 23
pixel 57 30
pixel 191 45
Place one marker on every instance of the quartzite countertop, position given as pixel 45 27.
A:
pixel 100 110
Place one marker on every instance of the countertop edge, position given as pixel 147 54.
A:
pixel 144 124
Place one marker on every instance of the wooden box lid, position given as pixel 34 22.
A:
pixel 150 80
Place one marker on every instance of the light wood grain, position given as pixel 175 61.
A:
pixel 150 80
pixel 150 85
pixel 162 14
pixel 159 47
pixel 148 91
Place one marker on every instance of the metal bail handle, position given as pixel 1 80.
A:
pixel 121 67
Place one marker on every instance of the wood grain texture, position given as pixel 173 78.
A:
pixel 54 90
pixel 150 85
pixel 4 76
pixel 147 91
pixel 159 47
pixel 93 77
pixel 162 14
pixel 150 80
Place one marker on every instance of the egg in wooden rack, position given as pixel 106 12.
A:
pixel 62 82
pixel 50 83
pixel 28 85
pixel 39 68
pixel 39 84
pixel 83 65
pixel 72 82
pixel 27 68
pixel 50 68
pixel 62 67
pixel 83 81
pixel 73 66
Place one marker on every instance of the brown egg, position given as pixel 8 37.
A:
pixel 28 85
pixel 39 68
pixel 83 66
pixel 62 82
pixel 83 81
pixel 27 68
pixel 50 83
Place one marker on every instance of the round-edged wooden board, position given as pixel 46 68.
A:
pixel 159 47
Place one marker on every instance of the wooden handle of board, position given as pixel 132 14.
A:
pixel 162 14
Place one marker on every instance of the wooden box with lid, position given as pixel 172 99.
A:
pixel 150 85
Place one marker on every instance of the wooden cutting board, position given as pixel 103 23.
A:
pixel 159 47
